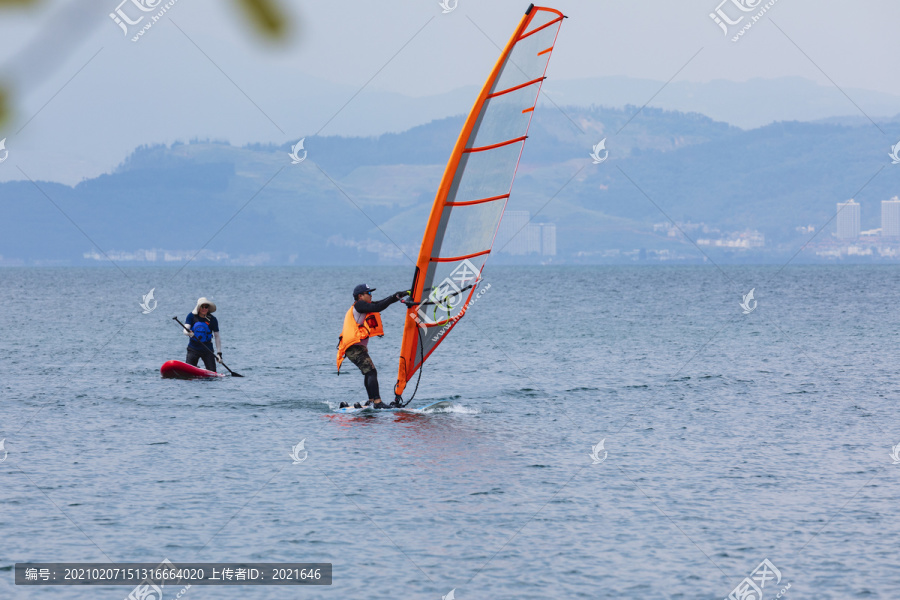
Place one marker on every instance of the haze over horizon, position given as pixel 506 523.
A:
pixel 82 104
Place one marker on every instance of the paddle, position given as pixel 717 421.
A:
pixel 233 374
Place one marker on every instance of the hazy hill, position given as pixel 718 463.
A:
pixel 353 198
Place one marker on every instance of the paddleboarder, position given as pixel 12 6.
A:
pixel 361 322
pixel 204 328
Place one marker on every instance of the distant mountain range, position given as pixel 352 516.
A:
pixel 365 200
pixel 746 104
pixel 59 148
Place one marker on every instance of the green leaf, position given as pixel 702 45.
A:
pixel 4 104
pixel 267 17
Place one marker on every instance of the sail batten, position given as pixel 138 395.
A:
pixel 533 31
pixel 483 200
pixel 497 145
pixel 518 87
pixel 475 189
pixel 456 258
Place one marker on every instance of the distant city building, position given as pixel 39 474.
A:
pixel 848 220
pixel 532 233
pixel 519 237
pixel 745 239
pixel 548 239
pixel 890 217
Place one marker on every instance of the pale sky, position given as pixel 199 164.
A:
pixel 166 88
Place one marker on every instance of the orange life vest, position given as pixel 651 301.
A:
pixel 354 333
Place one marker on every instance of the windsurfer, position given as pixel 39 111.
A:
pixel 203 329
pixel 362 321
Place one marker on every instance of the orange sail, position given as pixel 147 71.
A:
pixel 473 193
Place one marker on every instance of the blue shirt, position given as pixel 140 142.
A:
pixel 203 330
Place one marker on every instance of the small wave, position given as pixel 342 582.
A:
pixel 488 493
pixel 453 408
pixel 457 409
pixel 523 393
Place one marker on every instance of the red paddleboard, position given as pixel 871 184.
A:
pixel 180 370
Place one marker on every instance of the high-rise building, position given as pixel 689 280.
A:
pixel 548 239
pixel 890 217
pixel 518 236
pixel 848 220
pixel 532 235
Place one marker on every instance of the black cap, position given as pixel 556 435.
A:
pixel 361 289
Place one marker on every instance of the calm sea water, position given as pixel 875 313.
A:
pixel 729 438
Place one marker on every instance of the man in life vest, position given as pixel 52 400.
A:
pixel 203 329
pixel 361 322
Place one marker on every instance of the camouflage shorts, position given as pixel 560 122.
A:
pixel 359 356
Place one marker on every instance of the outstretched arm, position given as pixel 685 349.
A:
pixel 362 306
